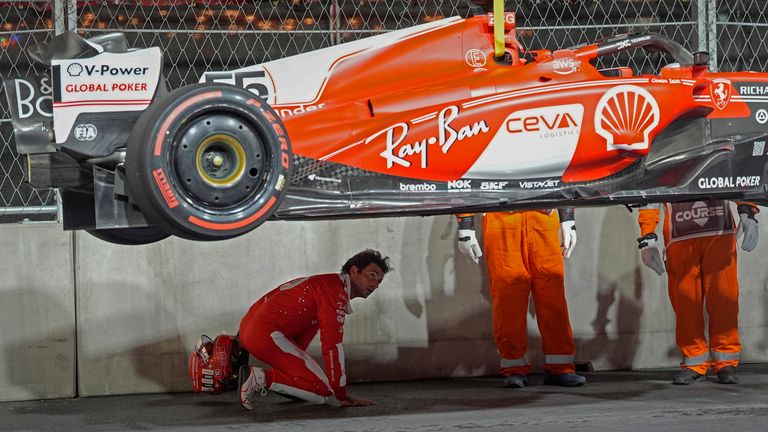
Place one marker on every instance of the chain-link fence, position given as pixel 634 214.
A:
pixel 198 35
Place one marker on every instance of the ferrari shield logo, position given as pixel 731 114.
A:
pixel 720 89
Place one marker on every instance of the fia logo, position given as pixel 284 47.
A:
pixel 85 132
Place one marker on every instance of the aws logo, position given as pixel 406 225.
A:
pixel 625 116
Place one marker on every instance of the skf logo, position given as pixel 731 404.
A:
pixel 492 185
pixel 165 188
pixel 720 90
pixel 475 58
pixel 625 116
pixel 700 213
pixel 85 132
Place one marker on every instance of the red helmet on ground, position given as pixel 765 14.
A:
pixel 213 365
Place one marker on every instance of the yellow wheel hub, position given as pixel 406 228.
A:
pixel 213 155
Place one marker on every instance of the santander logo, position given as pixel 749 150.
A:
pixel 625 116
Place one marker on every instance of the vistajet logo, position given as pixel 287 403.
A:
pixel 539 184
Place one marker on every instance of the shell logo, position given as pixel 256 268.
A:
pixel 625 116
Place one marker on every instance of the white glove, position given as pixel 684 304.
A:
pixel 649 252
pixel 748 228
pixel 568 233
pixel 468 245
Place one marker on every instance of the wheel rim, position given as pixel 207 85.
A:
pixel 219 161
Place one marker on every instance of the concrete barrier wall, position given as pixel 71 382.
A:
pixel 140 309
pixel 37 313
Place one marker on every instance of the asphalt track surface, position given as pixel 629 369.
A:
pixel 611 401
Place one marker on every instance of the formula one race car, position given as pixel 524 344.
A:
pixel 421 121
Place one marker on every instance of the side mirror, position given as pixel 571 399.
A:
pixel 701 58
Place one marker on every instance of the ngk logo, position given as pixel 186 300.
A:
pixel 460 184
pixel 700 213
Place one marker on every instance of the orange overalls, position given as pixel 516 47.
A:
pixel 700 245
pixel 522 250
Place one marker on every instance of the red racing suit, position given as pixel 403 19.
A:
pixel 278 328
pixel 700 245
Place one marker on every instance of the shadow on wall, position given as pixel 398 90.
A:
pixel 619 284
pixel 124 353
pixel 38 346
pixel 455 310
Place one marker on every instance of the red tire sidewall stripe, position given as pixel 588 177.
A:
pixel 233 225
pixel 175 113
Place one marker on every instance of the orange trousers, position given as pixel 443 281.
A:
pixel 523 253
pixel 702 271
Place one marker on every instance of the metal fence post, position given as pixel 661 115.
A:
pixel 59 17
pixel 335 22
pixel 712 27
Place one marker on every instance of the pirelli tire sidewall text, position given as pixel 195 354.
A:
pixel 160 174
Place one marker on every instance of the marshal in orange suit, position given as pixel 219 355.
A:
pixel 525 257
pixel 700 241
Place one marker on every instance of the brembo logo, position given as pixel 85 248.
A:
pixel 418 187
pixel 700 213
pixel 625 116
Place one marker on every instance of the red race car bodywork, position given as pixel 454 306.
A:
pixel 423 121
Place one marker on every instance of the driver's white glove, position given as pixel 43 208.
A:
pixel 650 253
pixel 468 245
pixel 747 227
pixel 568 234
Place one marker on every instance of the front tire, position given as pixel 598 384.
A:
pixel 208 162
